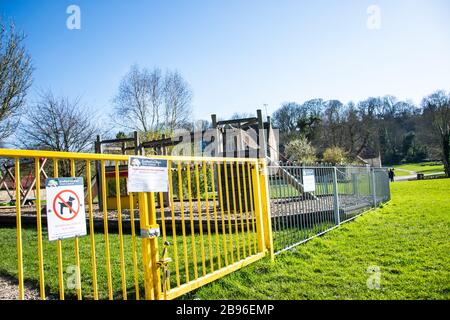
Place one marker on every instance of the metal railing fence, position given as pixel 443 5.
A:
pixel 309 200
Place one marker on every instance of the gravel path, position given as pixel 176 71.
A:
pixel 9 290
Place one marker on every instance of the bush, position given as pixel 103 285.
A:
pixel 335 155
pixel 301 150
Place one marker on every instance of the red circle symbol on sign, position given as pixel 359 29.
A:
pixel 66 204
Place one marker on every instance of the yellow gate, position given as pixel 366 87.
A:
pixel 214 220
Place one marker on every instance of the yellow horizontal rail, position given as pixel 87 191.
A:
pixel 16 153
pixel 210 277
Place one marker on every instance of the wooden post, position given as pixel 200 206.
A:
pixel 261 135
pixel 162 148
pixel 136 143
pixel 269 128
pixel 218 138
pixel 166 200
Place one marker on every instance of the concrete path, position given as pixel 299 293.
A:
pixel 411 175
pixel 414 176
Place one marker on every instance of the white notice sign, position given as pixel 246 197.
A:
pixel 147 175
pixel 309 180
pixel 66 216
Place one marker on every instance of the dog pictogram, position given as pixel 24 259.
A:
pixel 65 204
pixel 68 204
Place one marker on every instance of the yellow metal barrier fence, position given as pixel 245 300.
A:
pixel 214 220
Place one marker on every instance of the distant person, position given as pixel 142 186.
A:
pixel 391 175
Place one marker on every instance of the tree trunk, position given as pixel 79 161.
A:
pixel 446 154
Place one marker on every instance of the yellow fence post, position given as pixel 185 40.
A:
pixel 147 217
pixel 266 214
pixel 258 208
pixel 19 229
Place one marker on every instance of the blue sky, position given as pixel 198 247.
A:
pixel 240 55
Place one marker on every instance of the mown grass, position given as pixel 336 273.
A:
pixel 406 239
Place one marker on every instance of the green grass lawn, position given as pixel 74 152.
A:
pixel 406 239
pixel 423 167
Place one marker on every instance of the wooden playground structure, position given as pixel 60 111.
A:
pixel 26 184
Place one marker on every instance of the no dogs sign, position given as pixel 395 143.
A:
pixel 66 216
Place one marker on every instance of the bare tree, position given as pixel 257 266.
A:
pixel 436 113
pixel 15 78
pixel 58 124
pixel 139 100
pixel 177 102
pixel 294 119
pixel 241 115
pixel 150 103
pixel 285 118
pixel 333 120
